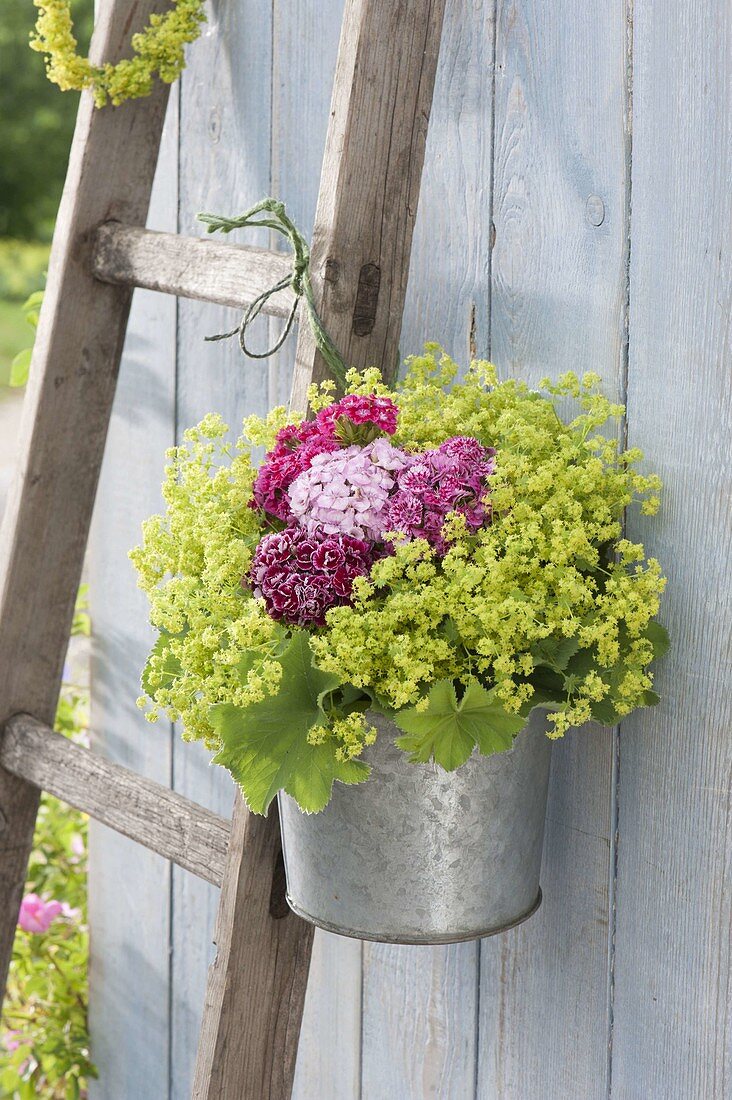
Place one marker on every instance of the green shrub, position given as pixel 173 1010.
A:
pixel 22 268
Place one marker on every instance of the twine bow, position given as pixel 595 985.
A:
pixel 298 280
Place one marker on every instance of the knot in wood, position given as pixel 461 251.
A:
pixel 367 299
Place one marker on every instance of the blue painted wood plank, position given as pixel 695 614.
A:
pixel 420 1027
pixel 304 54
pixel 672 1003
pixel 224 166
pixel 129 887
pixel 558 302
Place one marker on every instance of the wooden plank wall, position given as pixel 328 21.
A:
pixel 526 249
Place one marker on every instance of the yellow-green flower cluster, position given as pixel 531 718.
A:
pixel 551 565
pixel 549 603
pixel 158 50
pixel 217 643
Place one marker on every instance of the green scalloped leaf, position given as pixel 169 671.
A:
pixel 265 746
pixel 657 635
pixel 448 729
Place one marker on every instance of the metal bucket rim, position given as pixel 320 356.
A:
pixel 410 941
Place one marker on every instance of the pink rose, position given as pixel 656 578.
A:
pixel 37 915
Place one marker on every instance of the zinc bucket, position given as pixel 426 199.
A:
pixel 417 855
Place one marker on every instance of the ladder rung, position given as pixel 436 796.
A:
pixel 191 267
pixel 181 830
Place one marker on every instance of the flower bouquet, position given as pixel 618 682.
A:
pixel 427 583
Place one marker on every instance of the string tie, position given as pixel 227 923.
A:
pixel 275 218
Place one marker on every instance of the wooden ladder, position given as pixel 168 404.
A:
pixel 360 259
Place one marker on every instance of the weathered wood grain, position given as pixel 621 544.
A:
pixel 420 1021
pixel 147 812
pixel 129 886
pixel 209 270
pixel 329 1052
pixel 559 301
pixel 369 188
pixel 672 1035
pixel 65 417
pixel 256 988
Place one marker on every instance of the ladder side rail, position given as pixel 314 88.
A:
pixel 368 198
pixel 369 188
pixel 145 811
pixel 191 267
pixel 64 425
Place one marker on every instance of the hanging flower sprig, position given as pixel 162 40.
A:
pixel 158 51
pixel 275 218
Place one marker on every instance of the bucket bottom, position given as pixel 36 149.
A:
pixel 427 940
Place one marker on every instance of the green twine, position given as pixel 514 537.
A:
pixel 298 279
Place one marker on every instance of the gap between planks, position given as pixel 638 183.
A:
pixel 146 812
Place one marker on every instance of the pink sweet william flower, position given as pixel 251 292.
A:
pixel 347 492
pixel 298 444
pixel 451 478
pixel 360 408
pixel 300 575
pixel 37 915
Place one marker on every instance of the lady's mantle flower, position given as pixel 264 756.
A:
pixel 348 491
pixel 37 915
pixel 300 576
pixel 452 478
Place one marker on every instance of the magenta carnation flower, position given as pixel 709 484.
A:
pixel 348 491
pixel 452 478
pixel 294 449
pixel 360 408
pixel 301 575
pixel 357 418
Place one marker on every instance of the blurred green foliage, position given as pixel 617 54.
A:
pixel 44 1030
pixel 23 265
pixel 36 125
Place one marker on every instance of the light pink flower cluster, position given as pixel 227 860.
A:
pixel 297 445
pixel 348 491
pixel 339 485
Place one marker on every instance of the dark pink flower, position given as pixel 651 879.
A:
pixel 295 447
pixel 451 478
pixel 301 575
pixel 360 408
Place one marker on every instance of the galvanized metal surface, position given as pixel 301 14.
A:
pixel 421 855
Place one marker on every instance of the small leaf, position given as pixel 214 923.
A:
pixel 657 635
pixel 171 666
pixel 448 730
pixel 20 368
pixel 604 712
pixel 33 301
pixel 555 653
